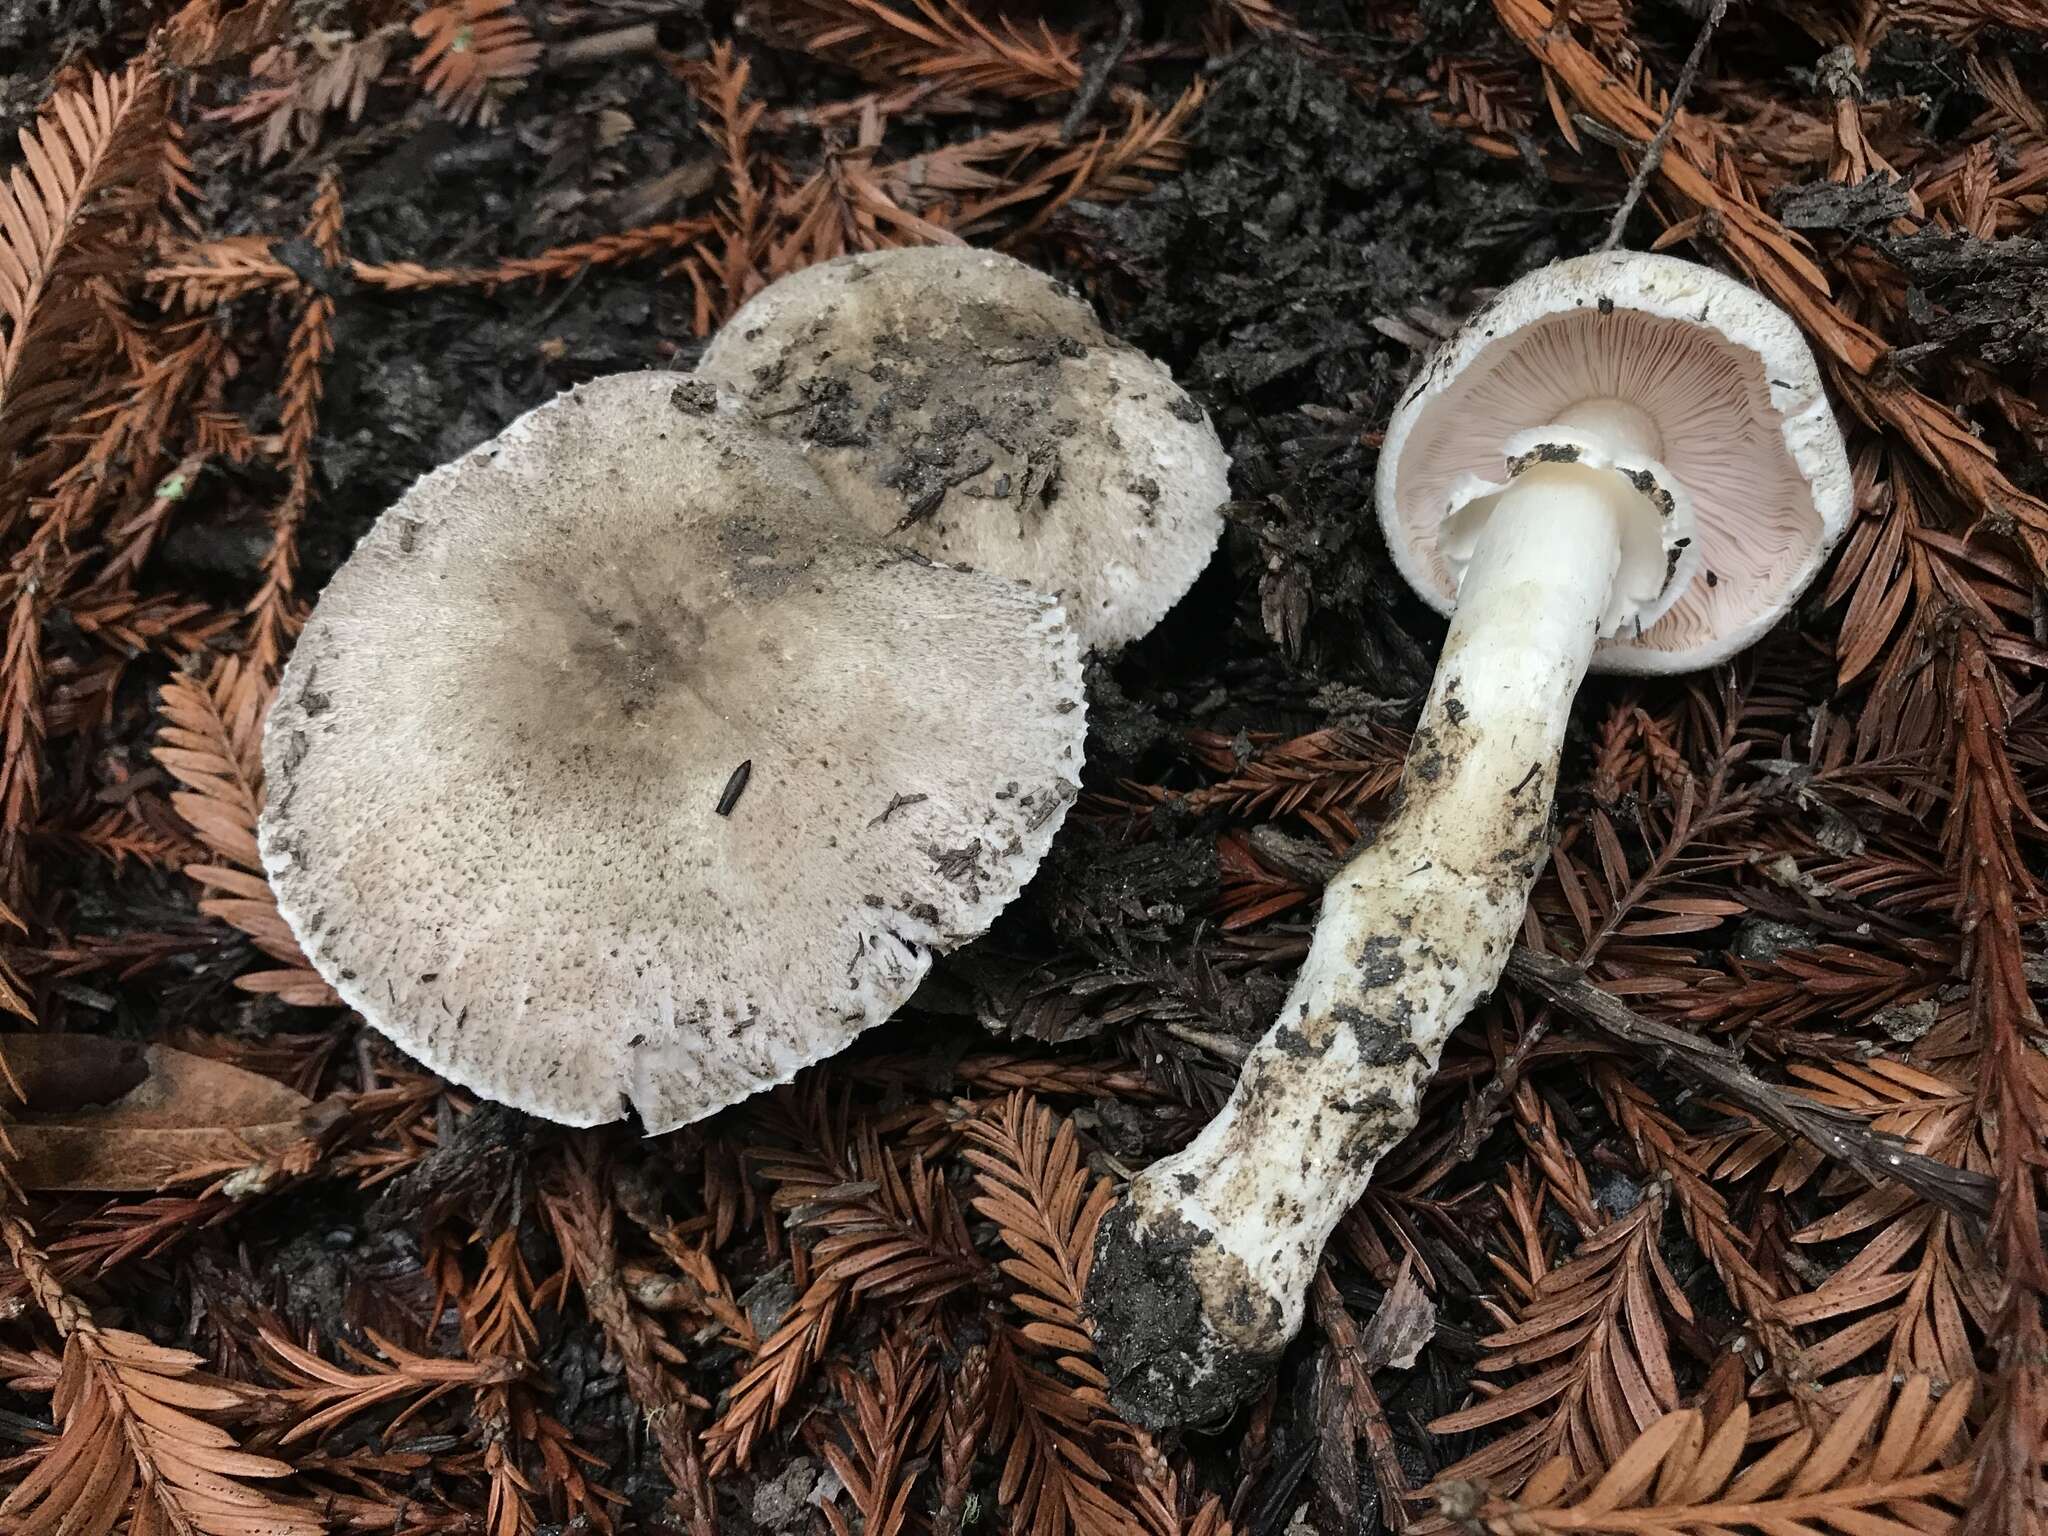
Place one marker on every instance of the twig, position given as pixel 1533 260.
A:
pixel 1095 77
pixel 1878 1157
pixel 1484 1109
pixel 1368 1416
pixel 600 47
pixel 1654 153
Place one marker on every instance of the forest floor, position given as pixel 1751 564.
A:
pixel 1747 1212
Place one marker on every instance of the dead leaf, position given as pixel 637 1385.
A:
pixel 115 1115
pixel 1403 1323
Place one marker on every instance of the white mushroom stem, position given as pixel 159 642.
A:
pixel 1201 1270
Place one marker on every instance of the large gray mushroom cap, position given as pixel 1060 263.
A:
pixel 498 757
pixel 974 408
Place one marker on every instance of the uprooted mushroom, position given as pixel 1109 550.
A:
pixel 1625 462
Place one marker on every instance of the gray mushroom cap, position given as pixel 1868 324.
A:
pixel 973 407
pixel 497 760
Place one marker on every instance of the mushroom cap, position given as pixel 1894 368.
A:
pixel 497 758
pixel 1747 437
pixel 972 407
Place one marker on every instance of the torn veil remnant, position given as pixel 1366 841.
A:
pixel 972 407
pixel 1625 461
pixel 504 819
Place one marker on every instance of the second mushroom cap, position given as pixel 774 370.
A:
pixel 973 407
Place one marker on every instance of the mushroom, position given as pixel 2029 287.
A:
pixel 618 770
pixel 1625 461
pixel 972 407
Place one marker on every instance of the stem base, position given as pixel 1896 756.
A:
pixel 1157 1293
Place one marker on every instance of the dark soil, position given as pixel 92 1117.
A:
pixel 1305 213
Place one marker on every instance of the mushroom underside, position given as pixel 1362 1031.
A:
pixel 1722 439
